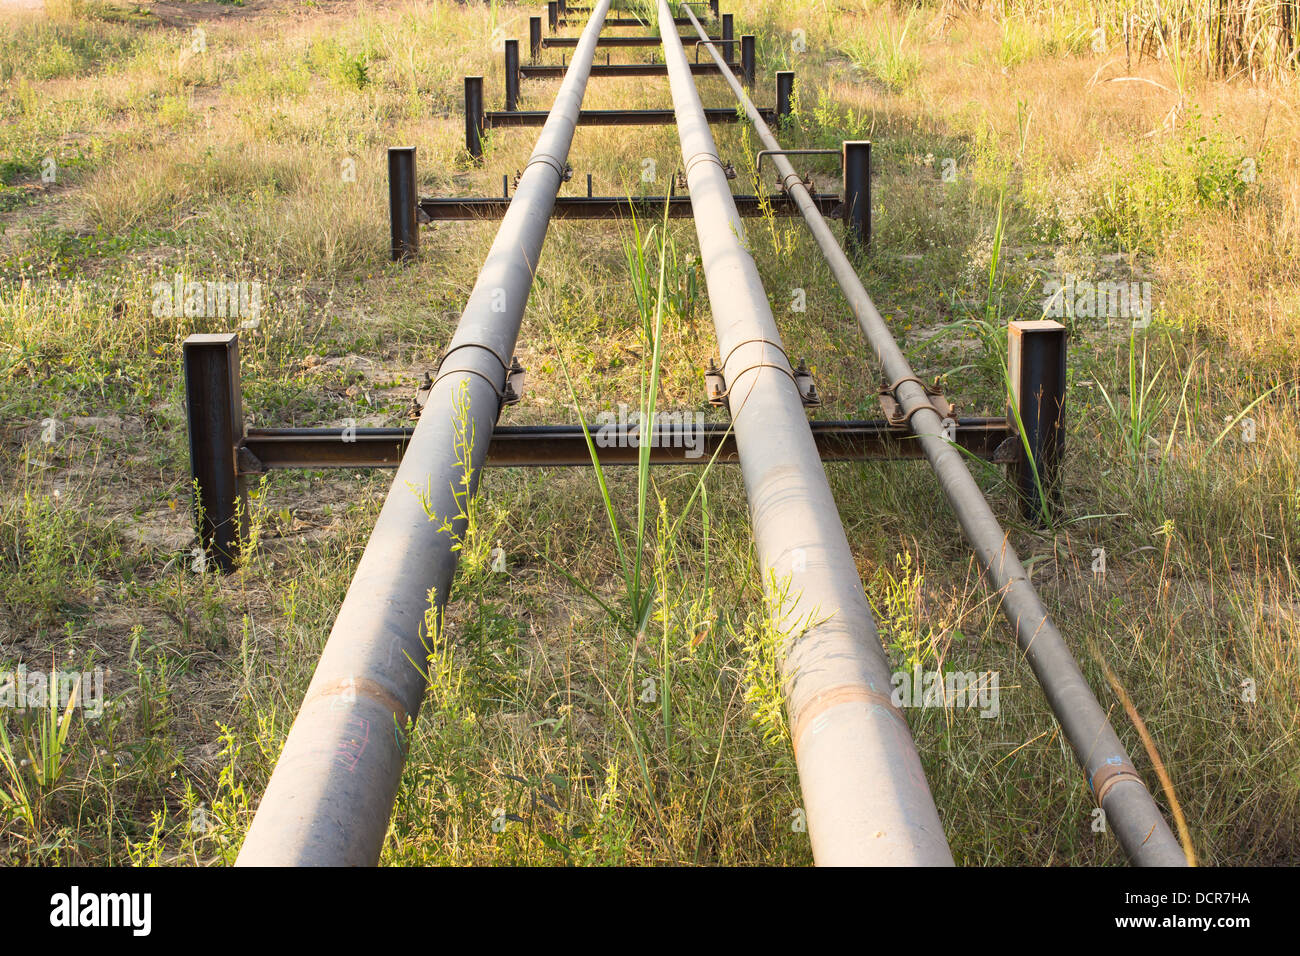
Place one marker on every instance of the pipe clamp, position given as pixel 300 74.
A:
pixel 703 156
pixel 549 160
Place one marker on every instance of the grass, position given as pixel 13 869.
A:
pixel 554 732
pixel 1254 40
pixel 885 56
pixel 1145 406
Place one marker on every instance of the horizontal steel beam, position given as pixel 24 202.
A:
pixel 623 21
pixel 566 8
pixel 498 118
pixel 534 71
pixel 565 42
pixel 614 207
pixel 270 449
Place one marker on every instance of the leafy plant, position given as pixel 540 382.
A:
pixel 1144 199
pixel 895 599
pixel 47 755
pixel 18 800
pixel 682 277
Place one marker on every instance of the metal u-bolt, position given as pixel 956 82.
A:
pixel 534 38
pixel 474 116
pixel 402 202
pixel 512 76
pixel 728 32
pixel 747 68
pixel 856 160
pixel 784 93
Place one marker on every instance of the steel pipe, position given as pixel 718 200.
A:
pixel 865 795
pixel 1131 813
pixel 332 791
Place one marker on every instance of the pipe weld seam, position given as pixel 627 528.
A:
pixel 1107 775
pixel 824 700
pixel 367 688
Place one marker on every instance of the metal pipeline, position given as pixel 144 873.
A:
pixel 332 791
pixel 1130 811
pixel 865 795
